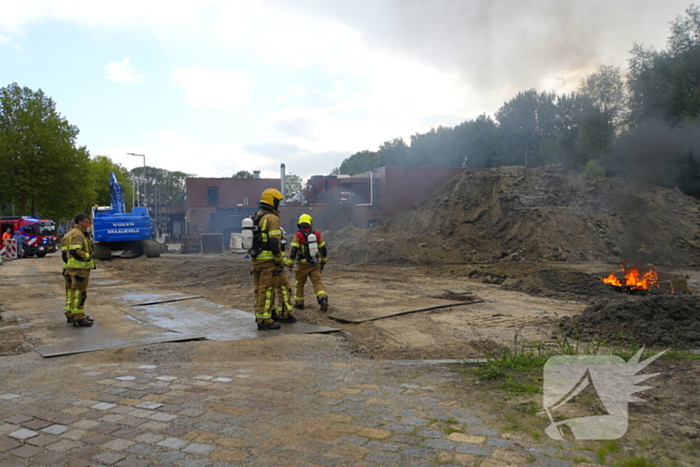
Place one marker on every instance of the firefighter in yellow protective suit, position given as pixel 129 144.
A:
pixel 78 261
pixel 283 293
pixel 311 258
pixel 267 258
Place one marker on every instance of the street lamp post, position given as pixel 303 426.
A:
pixel 145 198
pixel 133 191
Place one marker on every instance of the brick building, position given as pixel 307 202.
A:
pixel 217 205
pixel 204 196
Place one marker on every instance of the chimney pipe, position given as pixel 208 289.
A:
pixel 256 174
pixel 282 183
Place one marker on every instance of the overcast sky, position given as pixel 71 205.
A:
pixel 214 87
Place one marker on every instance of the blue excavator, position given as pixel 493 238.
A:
pixel 120 233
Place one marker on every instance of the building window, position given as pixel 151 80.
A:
pixel 212 195
pixel 245 201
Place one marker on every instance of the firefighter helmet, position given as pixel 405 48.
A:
pixel 306 219
pixel 271 197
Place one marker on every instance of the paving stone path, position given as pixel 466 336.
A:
pixel 290 414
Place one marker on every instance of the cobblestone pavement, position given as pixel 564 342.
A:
pixel 270 414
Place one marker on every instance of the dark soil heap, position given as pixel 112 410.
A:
pixel 540 214
pixel 652 321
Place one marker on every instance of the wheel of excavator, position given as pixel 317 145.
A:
pixel 102 252
pixel 151 248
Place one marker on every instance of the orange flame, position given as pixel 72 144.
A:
pixel 633 278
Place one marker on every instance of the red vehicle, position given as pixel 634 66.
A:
pixel 40 234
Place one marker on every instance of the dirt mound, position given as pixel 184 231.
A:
pixel 576 285
pixel 540 214
pixel 653 321
pixel 571 285
pixel 371 246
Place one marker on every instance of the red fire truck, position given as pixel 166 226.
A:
pixel 40 234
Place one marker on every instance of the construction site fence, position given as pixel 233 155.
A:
pixel 9 249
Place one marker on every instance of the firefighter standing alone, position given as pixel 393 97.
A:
pixel 309 250
pixel 78 261
pixel 267 257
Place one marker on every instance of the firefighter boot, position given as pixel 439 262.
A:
pixel 289 319
pixel 324 303
pixel 299 306
pixel 269 327
pixel 82 323
pixel 69 318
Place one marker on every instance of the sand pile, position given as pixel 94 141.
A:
pixel 540 214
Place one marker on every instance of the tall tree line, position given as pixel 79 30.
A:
pixel 43 172
pixel 639 124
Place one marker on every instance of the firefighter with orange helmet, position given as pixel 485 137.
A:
pixel 267 257
pixel 310 253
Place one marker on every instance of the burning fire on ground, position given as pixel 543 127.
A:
pixel 632 279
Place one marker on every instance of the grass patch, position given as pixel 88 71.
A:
pixel 512 377
pixel 519 367
pixel 636 462
pixel 518 385
pixel 607 447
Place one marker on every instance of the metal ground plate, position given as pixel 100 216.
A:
pixel 395 308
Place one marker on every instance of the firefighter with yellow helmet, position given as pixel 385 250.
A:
pixel 266 256
pixel 310 253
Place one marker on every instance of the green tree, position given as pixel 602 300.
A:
pixel 392 153
pixel 544 128
pixel 665 85
pixel 434 149
pixel 593 170
pixel 524 123
pixel 242 174
pixel 163 188
pixel 606 89
pixel 359 162
pixel 43 171
pixel 475 143
pixel 292 185
pixel 660 153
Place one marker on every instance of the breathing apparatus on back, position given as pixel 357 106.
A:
pixel 251 235
pixel 305 226
pixel 248 228
pixel 283 241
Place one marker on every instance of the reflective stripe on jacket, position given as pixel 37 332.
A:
pixel 269 227
pixel 78 249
